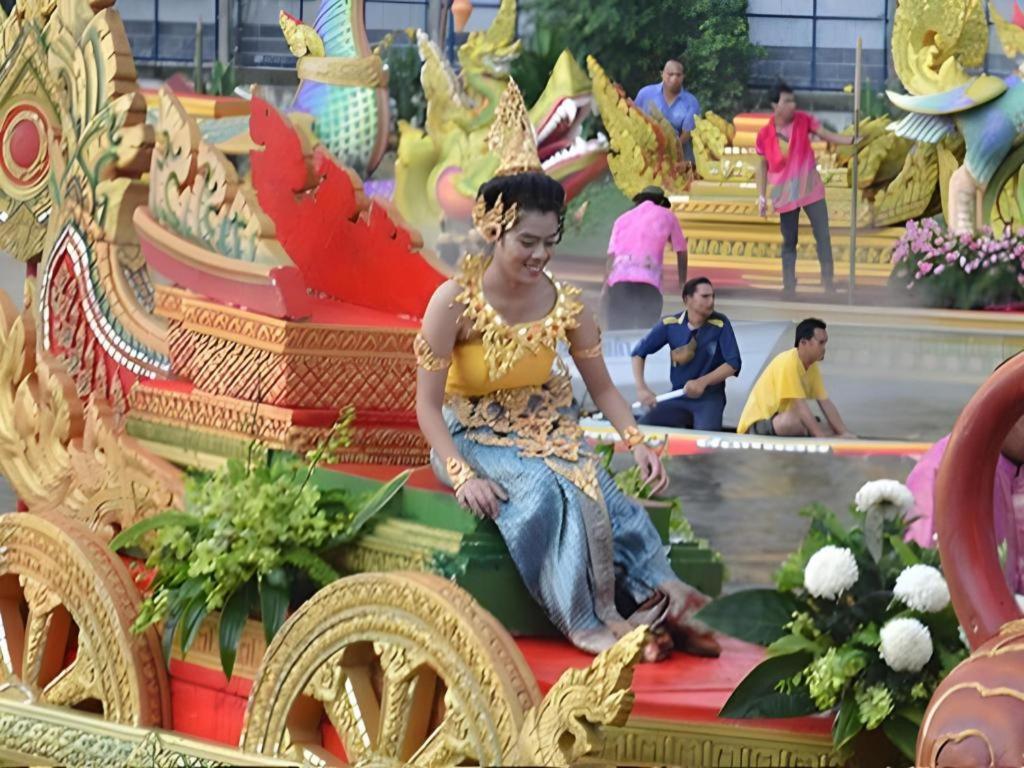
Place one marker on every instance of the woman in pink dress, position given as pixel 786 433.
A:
pixel 1007 501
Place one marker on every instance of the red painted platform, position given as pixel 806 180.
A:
pixel 681 689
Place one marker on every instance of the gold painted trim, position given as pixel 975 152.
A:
pixel 655 742
pixel 257 331
pixel 40 735
pixel 361 72
pixel 205 650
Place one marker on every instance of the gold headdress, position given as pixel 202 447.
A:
pixel 512 137
pixel 513 140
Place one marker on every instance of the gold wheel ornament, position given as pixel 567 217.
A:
pixel 66 608
pixel 405 667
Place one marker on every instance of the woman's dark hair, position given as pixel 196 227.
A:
pixel 777 90
pixel 532 191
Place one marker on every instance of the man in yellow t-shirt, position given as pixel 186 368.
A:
pixel 778 401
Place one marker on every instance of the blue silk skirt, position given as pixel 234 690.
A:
pixel 578 542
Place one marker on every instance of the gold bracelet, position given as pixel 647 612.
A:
pixel 459 472
pixel 588 353
pixel 632 436
pixel 425 357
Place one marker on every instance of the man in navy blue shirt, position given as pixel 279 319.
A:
pixel 676 105
pixel 704 354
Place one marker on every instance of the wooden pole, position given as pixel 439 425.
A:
pixel 853 174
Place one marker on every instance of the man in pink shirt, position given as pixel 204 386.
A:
pixel 789 168
pixel 632 292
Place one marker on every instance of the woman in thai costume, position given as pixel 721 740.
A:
pixel 495 402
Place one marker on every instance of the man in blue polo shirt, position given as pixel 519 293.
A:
pixel 676 105
pixel 704 354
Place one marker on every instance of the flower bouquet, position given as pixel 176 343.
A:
pixel 860 622
pixel 962 270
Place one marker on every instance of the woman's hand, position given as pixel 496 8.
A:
pixel 651 469
pixel 481 496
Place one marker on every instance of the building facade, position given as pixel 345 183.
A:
pixel 808 43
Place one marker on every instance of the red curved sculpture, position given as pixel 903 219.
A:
pixel 963 505
pixel 975 717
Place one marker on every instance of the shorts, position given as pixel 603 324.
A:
pixel 763 427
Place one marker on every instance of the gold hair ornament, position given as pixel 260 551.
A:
pixel 493 223
pixel 512 137
pixel 513 140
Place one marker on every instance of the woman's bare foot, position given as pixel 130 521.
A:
pixel 689 640
pixel 658 646
pixel 689 635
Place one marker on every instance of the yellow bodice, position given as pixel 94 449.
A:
pixel 504 355
pixel 469 374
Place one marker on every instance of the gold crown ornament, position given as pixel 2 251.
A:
pixel 514 141
pixel 512 137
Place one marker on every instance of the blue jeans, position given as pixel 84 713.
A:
pixel 684 413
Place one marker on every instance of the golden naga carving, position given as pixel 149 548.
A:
pixel 55 577
pixel 452 687
pixel 26 111
pixel 75 147
pixel 194 191
pixel 567 726
pixel 644 149
pixel 56 454
pixel 932 46
pixel 115 481
pixel 39 411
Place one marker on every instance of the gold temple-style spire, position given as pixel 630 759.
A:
pixel 512 137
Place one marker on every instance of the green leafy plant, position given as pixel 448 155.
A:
pixel 633 40
pixel 250 533
pixel 222 79
pixel 631 483
pixel 860 622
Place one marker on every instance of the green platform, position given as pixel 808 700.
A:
pixel 427 530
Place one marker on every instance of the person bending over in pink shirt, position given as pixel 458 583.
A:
pixel 789 169
pixel 632 293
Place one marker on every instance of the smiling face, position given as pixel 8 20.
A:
pixel 524 251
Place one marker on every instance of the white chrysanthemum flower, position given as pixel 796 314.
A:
pixel 906 645
pixel 830 572
pixel 922 588
pixel 879 492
